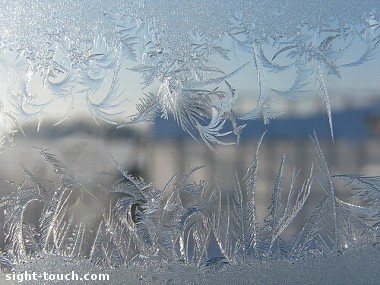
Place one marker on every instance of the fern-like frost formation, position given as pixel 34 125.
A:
pixel 138 222
pixel 186 59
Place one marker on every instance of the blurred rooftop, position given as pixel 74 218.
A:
pixel 351 124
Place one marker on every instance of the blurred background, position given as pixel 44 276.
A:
pixel 156 152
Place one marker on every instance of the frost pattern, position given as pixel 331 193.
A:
pixel 140 222
pixel 177 59
pixel 77 62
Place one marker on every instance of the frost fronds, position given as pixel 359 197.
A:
pixel 5 263
pixel 58 166
pixel 335 225
pixel 47 68
pixel 368 33
pixel 105 251
pixel 314 56
pixel 148 109
pixel 187 80
pixel 185 219
pixel 322 91
pixel 243 35
pixel 301 81
pixel 198 111
pixel 279 218
pixel 109 107
pixel 367 188
pixel 236 223
pixel 126 29
pixel 189 91
pixel 195 224
pixel 15 229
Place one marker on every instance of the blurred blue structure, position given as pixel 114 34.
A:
pixel 351 124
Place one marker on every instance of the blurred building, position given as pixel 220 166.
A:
pixel 165 149
pixel 355 149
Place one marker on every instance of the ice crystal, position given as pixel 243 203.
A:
pixel 74 59
pixel 57 59
pixel 139 220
